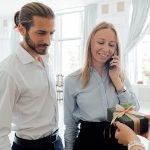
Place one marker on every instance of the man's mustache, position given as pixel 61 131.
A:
pixel 43 45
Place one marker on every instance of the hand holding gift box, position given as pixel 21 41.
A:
pixel 127 115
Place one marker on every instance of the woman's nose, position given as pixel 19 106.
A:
pixel 106 48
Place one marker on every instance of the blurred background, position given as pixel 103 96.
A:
pixel 74 21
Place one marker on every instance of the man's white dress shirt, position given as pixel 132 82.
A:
pixel 27 98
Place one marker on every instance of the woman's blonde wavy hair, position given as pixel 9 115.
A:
pixel 85 72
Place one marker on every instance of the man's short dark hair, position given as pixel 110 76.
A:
pixel 25 15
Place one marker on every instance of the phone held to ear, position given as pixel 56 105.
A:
pixel 109 64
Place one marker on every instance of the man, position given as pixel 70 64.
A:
pixel 27 89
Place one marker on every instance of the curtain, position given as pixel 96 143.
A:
pixel 139 24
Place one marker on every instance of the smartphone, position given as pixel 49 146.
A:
pixel 111 67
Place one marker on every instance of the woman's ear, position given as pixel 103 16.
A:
pixel 21 29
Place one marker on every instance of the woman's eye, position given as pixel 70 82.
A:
pixel 100 42
pixel 112 45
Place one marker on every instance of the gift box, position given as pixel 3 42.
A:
pixel 124 117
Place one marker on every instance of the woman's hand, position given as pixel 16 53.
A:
pixel 124 134
pixel 115 73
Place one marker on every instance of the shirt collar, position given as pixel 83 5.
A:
pixel 25 57
pixel 45 57
pixel 92 69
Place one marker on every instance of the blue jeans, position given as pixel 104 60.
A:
pixel 58 144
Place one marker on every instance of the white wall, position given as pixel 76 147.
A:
pixel 116 12
pixel 143 94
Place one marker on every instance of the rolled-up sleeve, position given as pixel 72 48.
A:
pixel 71 125
pixel 8 95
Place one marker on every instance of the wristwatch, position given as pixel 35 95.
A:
pixel 123 89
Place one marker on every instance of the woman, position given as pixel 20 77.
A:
pixel 126 135
pixel 88 92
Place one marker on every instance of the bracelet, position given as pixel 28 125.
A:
pixel 135 143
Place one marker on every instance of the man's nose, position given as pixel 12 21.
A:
pixel 48 39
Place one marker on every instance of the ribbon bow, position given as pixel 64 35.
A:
pixel 120 111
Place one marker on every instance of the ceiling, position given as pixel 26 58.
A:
pixel 9 7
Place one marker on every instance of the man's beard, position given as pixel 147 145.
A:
pixel 33 47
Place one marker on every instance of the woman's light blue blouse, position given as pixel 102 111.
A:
pixel 90 103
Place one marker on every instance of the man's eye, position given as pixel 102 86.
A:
pixel 41 33
pixel 52 33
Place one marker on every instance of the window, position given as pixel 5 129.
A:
pixel 143 51
pixel 67 45
pixel 139 60
pixel 70 55
pixel 5 37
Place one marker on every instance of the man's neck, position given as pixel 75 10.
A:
pixel 36 56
